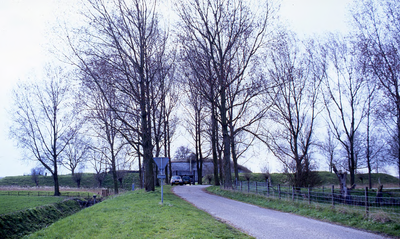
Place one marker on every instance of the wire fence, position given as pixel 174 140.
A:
pixel 366 199
pixel 45 193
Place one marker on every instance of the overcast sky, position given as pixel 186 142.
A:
pixel 25 27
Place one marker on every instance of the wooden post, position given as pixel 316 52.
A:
pixel 366 201
pixel 293 193
pixel 248 186
pixel 256 188
pixel 333 196
pixel 241 186
pixel 309 195
pixel 279 191
pixel 268 189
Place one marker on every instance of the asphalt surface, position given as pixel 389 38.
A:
pixel 264 223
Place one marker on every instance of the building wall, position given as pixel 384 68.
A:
pixel 185 168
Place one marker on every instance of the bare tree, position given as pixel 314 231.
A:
pixel 106 127
pixel 43 120
pixel 378 35
pixel 374 143
pixel 164 104
pixel 182 154
pixel 345 99
pixel 76 153
pixel 77 177
pixel 99 163
pixel 227 34
pixel 244 116
pixel 295 78
pixel 329 148
pixel 125 36
pixel 35 172
pixel 197 76
pixel 195 124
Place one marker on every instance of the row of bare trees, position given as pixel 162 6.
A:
pixel 255 81
pixel 238 77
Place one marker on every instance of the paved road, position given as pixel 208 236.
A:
pixel 264 223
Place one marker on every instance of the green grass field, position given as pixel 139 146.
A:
pixel 10 204
pixel 139 214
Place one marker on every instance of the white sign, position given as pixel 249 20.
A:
pixel 161 162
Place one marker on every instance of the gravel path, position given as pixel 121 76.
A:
pixel 264 223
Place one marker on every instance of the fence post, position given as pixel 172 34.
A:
pixel 293 193
pixel 279 191
pixel 268 189
pixel 309 195
pixel 256 188
pixel 366 201
pixel 333 196
pixel 241 188
pixel 248 186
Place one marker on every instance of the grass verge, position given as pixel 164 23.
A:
pixel 139 214
pixel 377 222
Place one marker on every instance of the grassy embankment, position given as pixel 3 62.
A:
pixel 378 222
pixel 139 214
pixel 327 179
pixel 87 181
pixel 22 222
pixel 9 204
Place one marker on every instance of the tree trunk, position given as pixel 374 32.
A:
pixel 199 155
pixel 398 135
pixel 352 162
pixel 344 190
pixel 56 184
pixel 146 136
pixel 226 141
pixel 140 168
pixel 55 177
pixel 234 157
pixel 114 171
pixel 214 144
pixel 200 169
